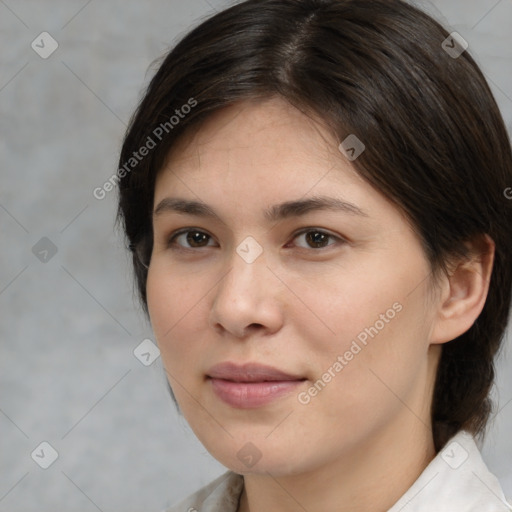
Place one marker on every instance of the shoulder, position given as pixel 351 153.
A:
pixel 220 495
pixel 457 479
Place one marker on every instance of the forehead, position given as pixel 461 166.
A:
pixel 266 138
pixel 255 154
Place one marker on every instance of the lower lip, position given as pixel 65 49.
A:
pixel 247 395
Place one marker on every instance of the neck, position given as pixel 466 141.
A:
pixel 370 476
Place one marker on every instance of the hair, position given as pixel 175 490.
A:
pixel 436 143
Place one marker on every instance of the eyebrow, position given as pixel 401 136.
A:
pixel 274 213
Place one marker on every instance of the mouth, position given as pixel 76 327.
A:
pixel 251 385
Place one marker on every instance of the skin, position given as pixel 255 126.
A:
pixel 366 436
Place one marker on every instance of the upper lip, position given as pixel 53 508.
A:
pixel 249 372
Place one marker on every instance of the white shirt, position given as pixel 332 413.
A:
pixel 457 480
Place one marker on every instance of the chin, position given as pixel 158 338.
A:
pixel 260 457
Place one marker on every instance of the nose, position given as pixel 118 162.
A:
pixel 247 298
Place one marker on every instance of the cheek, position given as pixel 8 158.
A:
pixel 375 344
pixel 344 306
pixel 158 298
pixel 381 375
pixel 171 309
pixel 174 318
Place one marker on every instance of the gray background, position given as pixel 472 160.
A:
pixel 69 325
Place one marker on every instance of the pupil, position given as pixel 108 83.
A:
pixel 196 237
pixel 316 237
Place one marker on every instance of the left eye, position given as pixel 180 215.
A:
pixel 315 238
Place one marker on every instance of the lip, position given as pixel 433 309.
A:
pixel 250 385
pixel 249 372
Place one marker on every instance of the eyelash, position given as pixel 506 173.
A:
pixel 171 244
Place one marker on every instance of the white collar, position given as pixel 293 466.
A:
pixel 457 480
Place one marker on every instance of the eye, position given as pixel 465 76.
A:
pixel 194 237
pixel 317 239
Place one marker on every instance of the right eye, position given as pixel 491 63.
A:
pixel 192 236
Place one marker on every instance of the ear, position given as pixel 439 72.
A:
pixel 464 292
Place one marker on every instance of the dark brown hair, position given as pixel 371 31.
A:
pixel 436 144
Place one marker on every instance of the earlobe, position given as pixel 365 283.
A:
pixel 464 292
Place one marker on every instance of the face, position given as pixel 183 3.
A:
pixel 332 297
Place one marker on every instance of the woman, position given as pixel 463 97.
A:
pixel 313 191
